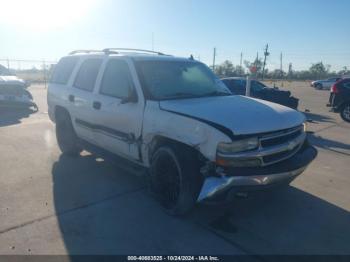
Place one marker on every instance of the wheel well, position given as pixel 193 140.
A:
pixel 61 113
pixel 344 104
pixel 159 141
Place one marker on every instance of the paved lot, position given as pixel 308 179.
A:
pixel 50 204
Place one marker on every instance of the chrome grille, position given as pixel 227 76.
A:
pixel 273 148
pixel 288 141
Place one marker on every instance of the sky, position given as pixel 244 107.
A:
pixel 304 31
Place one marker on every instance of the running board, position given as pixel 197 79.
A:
pixel 128 166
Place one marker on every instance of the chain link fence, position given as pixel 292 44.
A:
pixel 33 71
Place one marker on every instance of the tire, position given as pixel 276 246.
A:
pixel 345 112
pixel 66 137
pixel 175 179
pixel 318 86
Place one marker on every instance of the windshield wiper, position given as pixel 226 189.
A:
pixel 218 93
pixel 180 95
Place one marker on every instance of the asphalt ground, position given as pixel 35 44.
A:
pixel 52 204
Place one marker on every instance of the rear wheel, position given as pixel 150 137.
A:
pixel 345 112
pixel 66 137
pixel 175 179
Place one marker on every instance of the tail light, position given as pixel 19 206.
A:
pixel 335 89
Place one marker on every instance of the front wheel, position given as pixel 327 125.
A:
pixel 345 112
pixel 175 179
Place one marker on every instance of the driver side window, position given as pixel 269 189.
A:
pixel 117 80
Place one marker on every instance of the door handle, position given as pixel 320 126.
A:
pixel 96 105
pixel 71 98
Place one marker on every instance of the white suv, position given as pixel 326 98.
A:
pixel 175 119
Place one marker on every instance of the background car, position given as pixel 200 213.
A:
pixel 325 84
pixel 237 86
pixel 13 93
pixel 339 98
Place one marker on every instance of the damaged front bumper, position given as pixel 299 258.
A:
pixel 230 181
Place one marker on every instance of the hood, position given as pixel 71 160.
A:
pixel 242 115
pixel 11 80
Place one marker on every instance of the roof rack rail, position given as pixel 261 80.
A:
pixel 84 51
pixel 111 50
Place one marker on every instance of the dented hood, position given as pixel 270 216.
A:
pixel 242 115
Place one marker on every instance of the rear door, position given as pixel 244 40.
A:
pixel 81 97
pixel 345 92
pixel 119 121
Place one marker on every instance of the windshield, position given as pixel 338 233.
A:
pixel 179 79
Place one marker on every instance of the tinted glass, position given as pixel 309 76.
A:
pixel 179 79
pixel 236 86
pixel 346 85
pixel 87 75
pixel 63 70
pixel 257 86
pixel 117 81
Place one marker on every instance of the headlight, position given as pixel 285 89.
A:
pixel 305 127
pixel 238 146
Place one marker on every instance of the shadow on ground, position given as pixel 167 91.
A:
pixel 101 210
pixel 13 116
pixel 317 118
pixel 283 221
pixel 329 144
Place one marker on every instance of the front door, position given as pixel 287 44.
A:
pixel 118 121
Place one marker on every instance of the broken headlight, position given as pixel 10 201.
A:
pixel 225 153
pixel 238 146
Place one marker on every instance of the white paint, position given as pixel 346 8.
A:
pixel 243 115
pixel 149 119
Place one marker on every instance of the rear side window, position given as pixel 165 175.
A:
pixel 63 70
pixel 86 77
pixel 235 83
pixel 346 85
pixel 117 81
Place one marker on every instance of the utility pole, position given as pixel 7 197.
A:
pixel 281 64
pixel 214 56
pixel 240 63
pixel 266 53
pixel 290 70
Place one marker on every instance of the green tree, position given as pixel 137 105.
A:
pixel 319 70
pixel 227 69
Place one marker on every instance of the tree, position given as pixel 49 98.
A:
pixel 227 69
pixel 318 70
pixel 257 65
pixel 344 71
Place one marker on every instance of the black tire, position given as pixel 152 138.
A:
pixel 66 137
pixel 345 112
pixel 318 86
pixel 175 179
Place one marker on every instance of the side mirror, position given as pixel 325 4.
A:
pixel 131 98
